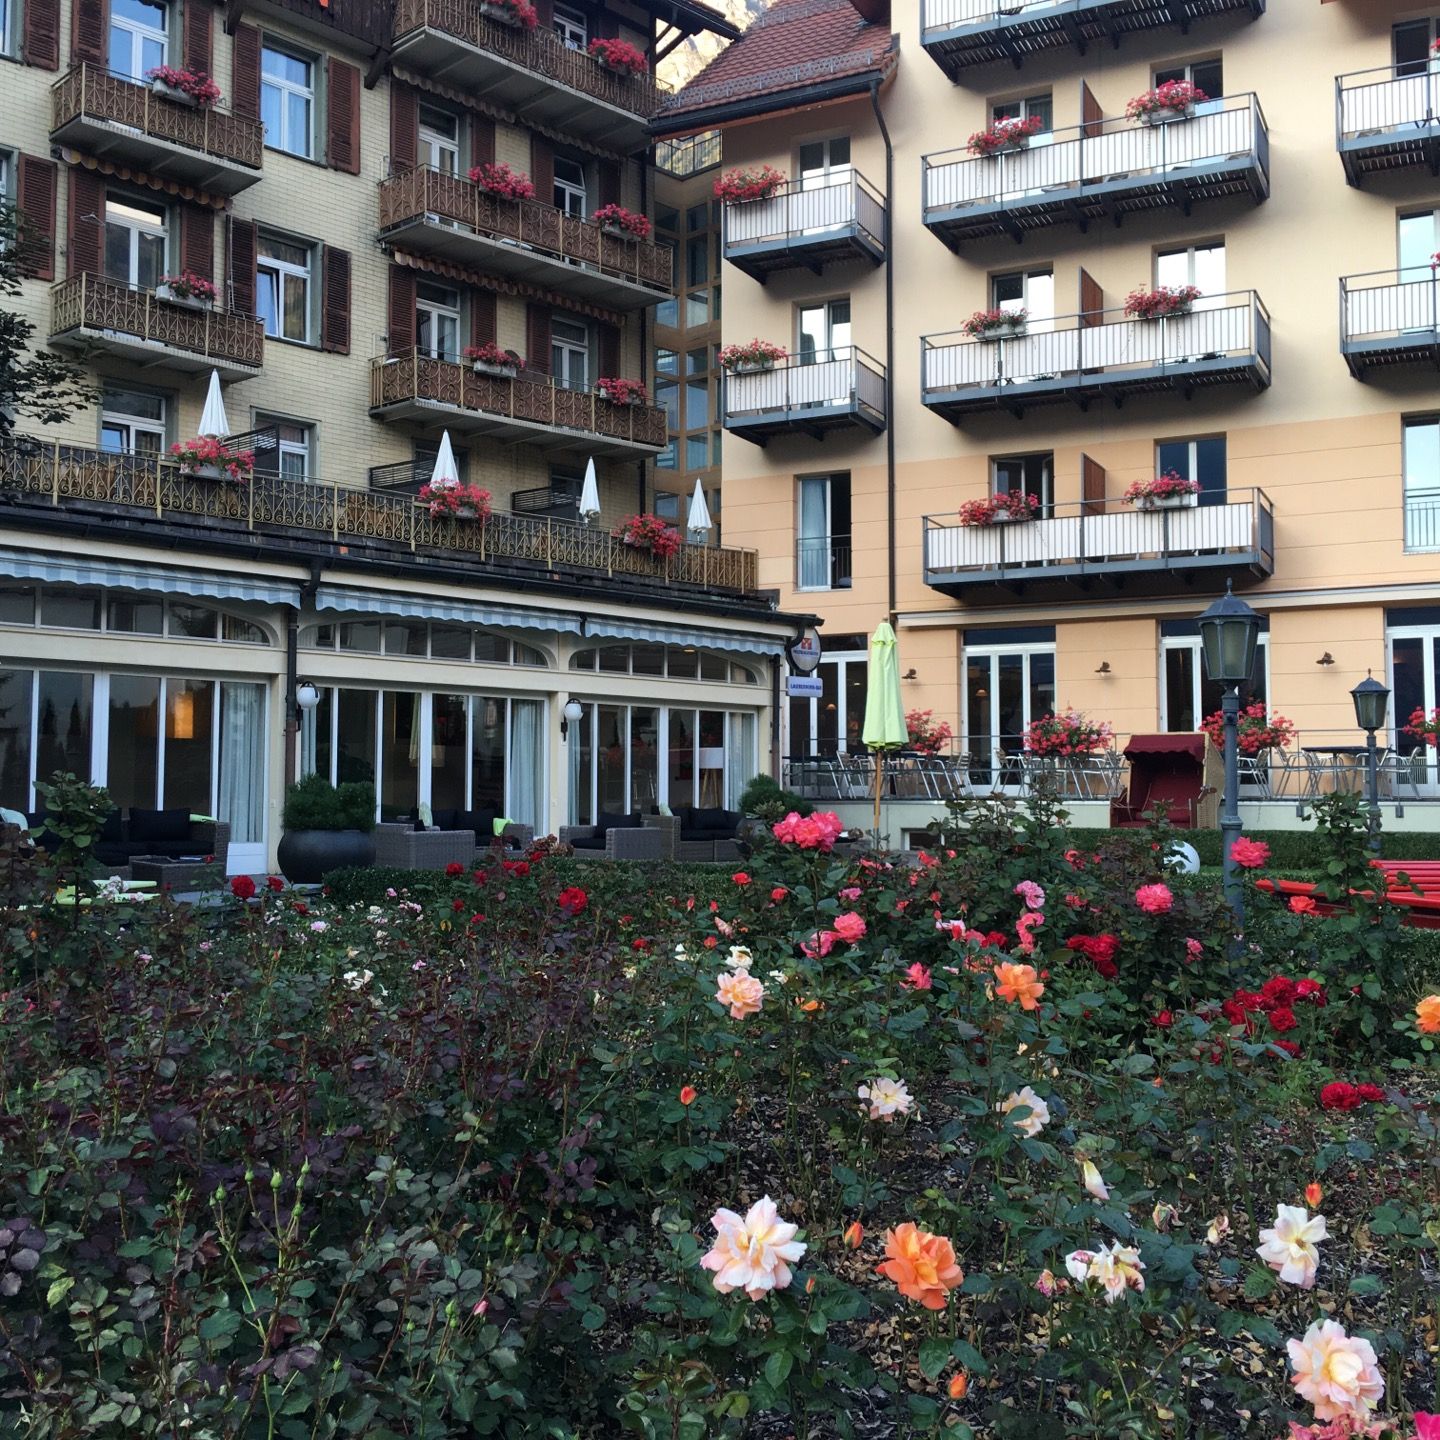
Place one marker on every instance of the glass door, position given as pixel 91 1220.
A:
pixel 1207 76
pixel 439 140
pixel 1414 665
pixel 1202 266
pixel 1005 689
pixel 570 354
pixel 824 329
pixel 134 241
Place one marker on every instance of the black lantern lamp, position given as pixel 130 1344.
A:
pixel 1372 704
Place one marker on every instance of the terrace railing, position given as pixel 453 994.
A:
pixel 801 208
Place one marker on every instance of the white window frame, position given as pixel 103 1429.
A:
pixel 569 352
pixel 289 450
pixel 1045 491
pixel 1210 298
pixel 571 27
pixel 280 269
pixel 284 141
pixel 136 425
pixel 139 33
pixel 437 148
pixel 1420 493
pixel 1037 295
pixel 571 195
pixel 1024 108
pixel 1026 651
pixel 136 229
pixel 1191 643
pixel 6 6
pixel 436 315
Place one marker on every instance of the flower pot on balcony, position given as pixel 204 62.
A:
pixel 1162 502
pixel 502 15
pixel 618 231
pixel 173 93
pixel 751 367
pixel 190 302
pixel 500 372
pixel 204 472
pixel 1164 117
pixel 1003 332
pixel 1004 517
pixel 465 512
pixel 632 404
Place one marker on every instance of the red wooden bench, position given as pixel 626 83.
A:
pixel 1418 895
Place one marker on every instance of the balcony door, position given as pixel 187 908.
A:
pixel 139 37
pixel 1007 685
pixel 1029 474
pixel 832 722
pixel 822 533
pixel 1032 291
pixel 1411 44
pixel 135 233
pixel 823 346
pixel 1202 266
pixel 437 321
pixel 1420 459
pixel 1200 460
pixel 1415 685
pixel 823 329
pixel 571 196
pixel 132 422
pixel 1187 694
pixel 570 354
pixel 1205 75
pixel 571 27
pixel 825 172
pixel 439 138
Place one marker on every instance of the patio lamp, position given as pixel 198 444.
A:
pixel 1229 633
pixel 1372 703
pixel 570 716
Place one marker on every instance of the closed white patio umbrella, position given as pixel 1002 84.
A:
pixel 589 494
pixel 699 524
pixel 446 472
pixel 213 421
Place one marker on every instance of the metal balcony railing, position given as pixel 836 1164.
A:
pixel 833 216
pixel 1422 522
pixel 683 158
pixel 1223 339
pixel 78 478
pixel 823 563
pixel 1386 119
pixel 829 387
pixel 87 302
pixel 1390 317
pixel 1085 171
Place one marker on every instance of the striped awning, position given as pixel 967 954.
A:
pixel 603 628
pixel 135 176
pixel 119 575
pixel 502 285
pixel 349 601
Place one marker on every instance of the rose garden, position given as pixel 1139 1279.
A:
pixel 1015 1137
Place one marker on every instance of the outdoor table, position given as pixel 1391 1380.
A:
pixel 1345 764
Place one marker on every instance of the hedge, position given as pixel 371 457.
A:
pixel 1289 849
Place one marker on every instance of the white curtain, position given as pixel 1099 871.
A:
pixel 525 762
pixel 739 756
pixel 242 761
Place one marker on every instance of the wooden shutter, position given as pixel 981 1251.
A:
pixel 36 199
pixel 537 338
pixel 608 174
pixel 609 349
pixel 89 30
pixel 1091 115
pixel 245 77
pixel 404 128
pixel 542 168
pixel 545 14
pixel 1092 486
pixel 484 328
pixel 1092 301
pixel 197 240
pixel 40 38
pixel 401 321
pixel 343 110
pixel 335 301
pixel 196 21
pixel 244 247
pixel 85 249
pixel 482 140
pixel 607 26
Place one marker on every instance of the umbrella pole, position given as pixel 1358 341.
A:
pixel 879 783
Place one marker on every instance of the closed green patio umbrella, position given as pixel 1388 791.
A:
pixel 885 727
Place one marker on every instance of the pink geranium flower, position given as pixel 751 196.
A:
pixel 1155 899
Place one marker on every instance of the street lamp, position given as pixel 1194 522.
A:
pixel 570 719
pixel 1229 633
pixel 1372 701
pixel 307 697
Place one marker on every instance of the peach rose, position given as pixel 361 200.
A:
pixel 1018 982
pixel 741 991
pixel 1289 1247
pixel 922 1265
pixel 1336 1373
pixel 752 1254
pixel 1427 1014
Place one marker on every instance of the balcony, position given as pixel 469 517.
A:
pixel 830 390
pixel 1422 524
pixel 805 226
pixel 115 118
pixel 1086 357
pixel 452 41
pixel 90 315
pixel 150 491
pixel 365 25
pixel 531 408
pixel 1105 547
pixel 1389 318
pixel 1387 121
pixel 1104 170
pixel 958 34
pixel 823 563
pixel 431 213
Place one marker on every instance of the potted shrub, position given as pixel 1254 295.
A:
pixel 1257 733
pixel 207 458
pixel 996 324
pixel 519 14
pixel 1066 735
pixel 751 357
pixel 749 183
pixel 490 359
pixel 1169 491
pixel 1009 506
pixel 649 533
pixel 497 178
pixel 1003 135
pixel 622 392
pixel 1174 100
pixel 1423 726
pixel 456 500
pixel 617 220
pixel 194 292
pixel 185 87
pixel 927 735
pixel 620 56
pixel 326 827
pixel 1162 301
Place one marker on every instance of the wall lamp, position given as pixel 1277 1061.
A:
pixel 910 674
pixel 1326 659
pixel 307 697
pixel 1103 668
pixel 572 712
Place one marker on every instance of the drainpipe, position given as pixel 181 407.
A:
pixel 775 759
pixel 292 667
pixel 889 346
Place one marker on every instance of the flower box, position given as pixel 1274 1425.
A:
pixel 1161 303
pixel 192 88
pixel 171 296
pixel 1166 114
pixel 1170 491
pixel 1174 100
pixel 1005 136
pixel 762 183
pixel 751 357
pixel 207 458
pixel 751 367
pixel 511 15
pixel 500 372
pixel 619 57
pixel 628 393
pixel 996 324
pixel 203 472
pixel 173 93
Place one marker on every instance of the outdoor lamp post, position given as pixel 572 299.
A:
pixel 1229 632
pixel 1372 700
pixel 307 697
pixel 569 732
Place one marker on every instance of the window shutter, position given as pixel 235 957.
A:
pixel 41 34
pixel 545 14
pixel 1091 115
pixel 483 326
pixel 607 26
pixel 537 338
pixel 482 140
pixel 1092 486
pixel 542 168
pixel 404 128
pixel 401 337
pixel 197 241
pixel 245 78
pixel 89 28
pixel 609 350
pixel 196 19
pixel 85 250
pixel 343 106
pixel 36 198
pixel 1092 301
pixel 335 315
pixel 244 246
pixel 608 173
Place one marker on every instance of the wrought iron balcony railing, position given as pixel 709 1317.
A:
pixel 1103 168
pixel 1225 339
pixel 1390 317
pixel 1387 119
pixel 429 210
pixel 807 394
pixel 92 311
pixel 111 114
pixel 76 478
pixel 805 224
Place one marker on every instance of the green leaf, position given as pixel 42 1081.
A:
pixel 59 1289
pixel 777 1368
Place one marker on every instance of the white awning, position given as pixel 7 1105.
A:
pixel 602 628
pixel 120 575
pixel 350 601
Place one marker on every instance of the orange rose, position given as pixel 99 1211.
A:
pixel 959 1385
pixel 922 1265
pixel 688 1094
pixel 854 1236
pixel 1427 1014
pixel 1018 982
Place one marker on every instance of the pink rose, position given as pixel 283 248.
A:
pixel 1155 899
pixel 850 927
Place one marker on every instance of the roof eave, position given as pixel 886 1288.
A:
pixel 691 17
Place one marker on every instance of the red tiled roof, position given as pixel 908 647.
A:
pixel 794 45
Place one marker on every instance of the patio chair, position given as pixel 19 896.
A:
pixel 404 847
pixel 615 837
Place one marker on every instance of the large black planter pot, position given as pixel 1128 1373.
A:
pixel 307 855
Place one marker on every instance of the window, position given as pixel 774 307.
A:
pixel 822 533
pixel 1202 460
pixel 570 26
pixel 570 354
pixel 1206 75
pixel 282 288
pixel 831 722
pixel 131 421
pixel 1031 474
pixel 1029 290
pixel 823 330
pixel 1009 681
pixel 1188 694
pixel 5 13
pixel 137 36
pixel 667 506
pixel 1420 457
pixel 287 100
pixel 291 458
pixel 822 162
pixel 1411 44
pixel 1031 107
pixel 570 187
pixel 134 241
pixel 439 139
pixel 437 321
pixel 1202 266
pixel 1418 239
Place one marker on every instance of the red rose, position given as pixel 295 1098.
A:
pixel 572 900
pixel 1288 1046
pixel 1310 991
pixel 1282 1018
pixel 1303 904
pixel 740 878
pixel 1108 968
pixel 1372 1093
pixel 454 868
pixel 457 904
pixel 274 884
pixel 1339 1095
pixel 242 887
pixel 778 894
pixel 1277 991
pixel 481 877
pixel 1165 1019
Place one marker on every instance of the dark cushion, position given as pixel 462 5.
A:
pixel 112 831
pixel 482 822
pixel 446 819
pixel 149 825
pixel 717 821
pixel 606 821
pixel 589 842
pixel 112 853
